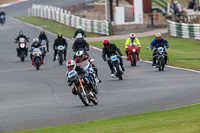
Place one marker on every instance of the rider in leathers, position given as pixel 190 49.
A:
pixel 80 57
pixel 60 41
pixel 36 44
pixel 79 30
pixel 21 35
pixel 43 36
pixel 109 50
pixel 71 65
pixel 158 42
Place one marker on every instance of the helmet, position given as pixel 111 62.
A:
pixel 79 37
pixel 106 42
pixel 132 36
pixel 35 41
pixel 20 33
pixel 79 27
pixel 42 32
pixel 59 35
pixel 158 36
pixel 79 55
pixel 92 61
pixel 71 65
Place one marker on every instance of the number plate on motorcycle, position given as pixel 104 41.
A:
pixel 60 47
pixel 87 70
pixel 72 73
pixel 160 49
pixel 113 58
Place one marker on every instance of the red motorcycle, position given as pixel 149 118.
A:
pixel 133 54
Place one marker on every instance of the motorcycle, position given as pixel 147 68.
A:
pixel 37 57
pixel 2 19
pixel 160 58
pixel 116 66
pixel 91 74
pixel 133 52
pixel 44 46
pixel 86 95
pixel 22 48
pixel 60 54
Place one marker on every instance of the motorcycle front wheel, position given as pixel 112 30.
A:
pixel 83 97
pixel 119 74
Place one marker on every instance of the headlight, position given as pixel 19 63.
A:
pixel 133 50
pixel 22 45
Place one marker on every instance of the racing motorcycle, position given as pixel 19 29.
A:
pixel 2 19
pixel 91 74
pixel 22 48
pixel 133 52
pixel 44 46
pixel 37 57
pixel 116 66
pixel 160 58
pixel 60 54
pixel 86 94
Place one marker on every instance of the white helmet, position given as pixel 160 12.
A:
pixel 35 41
pixel 71 64
pixel 79 55
pixel 132 36
pixel 79 27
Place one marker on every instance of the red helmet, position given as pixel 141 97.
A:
pixel 158 36
pixel 132 36
pixel 71 64
pixel 106 42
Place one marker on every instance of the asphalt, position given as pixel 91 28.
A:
pixel 32 99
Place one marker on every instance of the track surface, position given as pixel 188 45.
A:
pixel 33 99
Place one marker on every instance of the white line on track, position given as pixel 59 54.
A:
pixel 178 68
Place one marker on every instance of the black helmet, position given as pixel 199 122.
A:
pixel 59 35
pixel 20 33
pixel 42 32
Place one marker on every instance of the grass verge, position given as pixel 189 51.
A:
pixel 54 26
pixel 182 52
pixel 180 120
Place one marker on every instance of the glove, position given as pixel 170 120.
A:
pixel 121 54
pixel 69 83
pixel 126 49
pixel 167 47
pixel 151 48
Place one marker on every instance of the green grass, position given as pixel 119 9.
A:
pixel 54 27
pixel 182 52
pixel 180 120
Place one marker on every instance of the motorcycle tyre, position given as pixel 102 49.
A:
pixel 60 59
pixel 95 102
pixel 133 59
pixel 37 62
pixel 119 74
pixel 95 89
pixel 83 98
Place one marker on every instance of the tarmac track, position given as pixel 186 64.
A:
pixel 33 99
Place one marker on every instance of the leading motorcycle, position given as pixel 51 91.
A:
pixel 85 94
pixel 37 57
pixel 91 74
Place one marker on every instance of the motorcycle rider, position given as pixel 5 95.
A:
pixel 79 30
pixel 71 65
pixel 132 40
pixel 60 41
pixel 3 13
pixel 36 44
pixel 110 49
pixel 80 43
pixel 80 57
pixel 159 42
pixel 21 35
pixel 43 36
